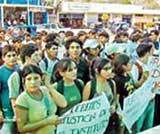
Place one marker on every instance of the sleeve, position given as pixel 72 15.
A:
pixel 14 85
pixel 22 101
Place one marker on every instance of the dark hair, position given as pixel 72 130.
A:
pixel 143 48
pixel 70 41
pixel 28 69
pixel 98 64
pixel 156 32
pixel 51 37
pixel 105 34
pixel 62 66
pixel 69 33
pixel 27 50
pixel 81 33
pixel 136 36
pixel 50 44
pixel 118 62
pixel 7 48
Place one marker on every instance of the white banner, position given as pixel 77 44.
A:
pixel 136 103
pixel 90 117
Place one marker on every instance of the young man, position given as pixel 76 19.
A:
pixel 10 58
pixel 50 58
pixel 140 72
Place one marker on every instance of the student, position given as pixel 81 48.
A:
pixel 29 55
pixel 50 59
pixel 68 85
pixel 140 72
pixel 123 80
pixel 103 82
pixel 10 58
pixel 35 108
pixel 74 50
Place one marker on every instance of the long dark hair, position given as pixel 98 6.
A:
pixel 118 62
pixel 62 66
pixel 98 64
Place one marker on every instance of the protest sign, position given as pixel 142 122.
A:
pixel 136 103
pixel 90 117
pixel 154 63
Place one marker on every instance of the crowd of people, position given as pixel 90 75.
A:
pixel 44 76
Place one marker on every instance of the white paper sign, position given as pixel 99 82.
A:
pixel 136 103
pixel 90 117
pixel 154 63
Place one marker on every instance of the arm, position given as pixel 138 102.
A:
pixel 14 88
pixel 86 91
pixel 13 103
pixel 25 126
pixel 142 80
pixel 56 96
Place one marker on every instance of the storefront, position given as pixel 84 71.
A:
pixel 93 12
pixel 71 20
pixel 24 12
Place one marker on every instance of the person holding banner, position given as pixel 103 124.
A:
pixel 68 85
pixel 35 109
pixel 102 82
pixel 123 80
pixel 140 72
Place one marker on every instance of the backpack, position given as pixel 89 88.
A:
pixel 140 69
pixel 53 70
pixel 20 79
pixel 46 62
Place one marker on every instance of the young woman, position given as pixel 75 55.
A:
pixel 102 82
pixel 35 109
pixel 68 85
pixel 123 80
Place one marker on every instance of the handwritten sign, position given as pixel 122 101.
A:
pixel 90 117
pixel 136 103
pixel 154 63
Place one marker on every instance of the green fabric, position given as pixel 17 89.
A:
pixel 72 96
pixel 37 110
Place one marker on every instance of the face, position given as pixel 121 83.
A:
pixel 70 73
pixel 52 52
pixel 10 59
pixel 103 39
pixel 106 71
pixel 153 36
pixel 94 51
pixel 74 50
pixel 36 57
pixel 32 82
pixel 127 67
pixel 124 38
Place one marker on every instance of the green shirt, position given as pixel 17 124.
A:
pixel 72 96
pixel 38 109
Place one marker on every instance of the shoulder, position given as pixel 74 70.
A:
pixel 88 85
pixel 80 82
pixel 22 100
